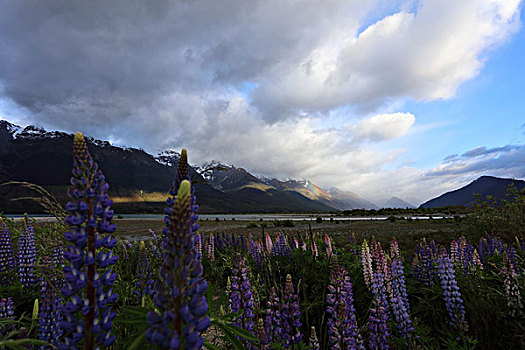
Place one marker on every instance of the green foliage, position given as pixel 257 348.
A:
pixel 283 223
pixel 505 219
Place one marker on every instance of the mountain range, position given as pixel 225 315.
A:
pixel 139 181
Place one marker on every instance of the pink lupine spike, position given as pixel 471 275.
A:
pixel 454 251
pixel 328 243
pixel 366 260
pixel 394 249
pixel 269 244
pixel 211 248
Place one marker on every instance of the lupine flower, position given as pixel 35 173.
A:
pixel 269 243
pixel 476 260
pixel 451 293
pixel 511 286
pixel 198 244
pixel 295 243
pixel 281 248
pixel 255 251
pixel 513 259
pixel 155 246
pixel 399 300
pixel 303 246
pixel 342 325
pixel 314 249
pixel 366 260
pixel 379 332
pixel 241 297
pixel 179 299
pixel 272 320
pixel 394 249
pixel 383 266
pixel 313 342
pixel 454 248
pixel 50 310
pixel 328 244
pixel 352 238
pixel 88 275
pixel 144 275
pixel 374 249
pixel 290 315
pixel 425 258
pixel 7 311
pixel 211 248
pixel 26 257
pixel 6 307
pixel 7 261
pixel 263 343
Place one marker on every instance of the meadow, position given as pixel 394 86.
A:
pixel 426 284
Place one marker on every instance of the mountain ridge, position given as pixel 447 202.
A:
pixel 464 196
pixel 138 180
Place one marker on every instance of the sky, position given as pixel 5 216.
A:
pixel 382 98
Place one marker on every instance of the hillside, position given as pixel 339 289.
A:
pixel 465 196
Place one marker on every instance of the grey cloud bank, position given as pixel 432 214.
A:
pixel 168 74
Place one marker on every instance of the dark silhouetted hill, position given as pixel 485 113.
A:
pixel 465 196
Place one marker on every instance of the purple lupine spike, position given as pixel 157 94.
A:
pixel 451 293
pixel 263 343
pixel 241 297
pixel 272 319
pixel 50 314
pixel 7 311
pixel 513 259
pixel 7 308
pixel 281 248
pixel 181 307
pixel 255 252
pixel 144 274
pixel 342 325
pixel 7 260
pixel 58 256
pixel 426 258
pixel 379 331
pixel 290 315
pixel 183 173
pixel 243 243
pixel 88 315
pixel 26 257
pixel 399 300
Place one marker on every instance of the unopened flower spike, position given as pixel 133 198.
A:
pixel 89 277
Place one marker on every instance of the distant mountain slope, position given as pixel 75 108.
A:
pixel 229 178
pixel 349 200
pixel 464 196
pixel 138 181
pixel 395 202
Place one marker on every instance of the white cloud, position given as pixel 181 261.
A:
pixel 383 127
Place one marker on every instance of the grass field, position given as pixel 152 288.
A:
pixel 406 232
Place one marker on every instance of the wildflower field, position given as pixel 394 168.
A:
pixel 72 285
